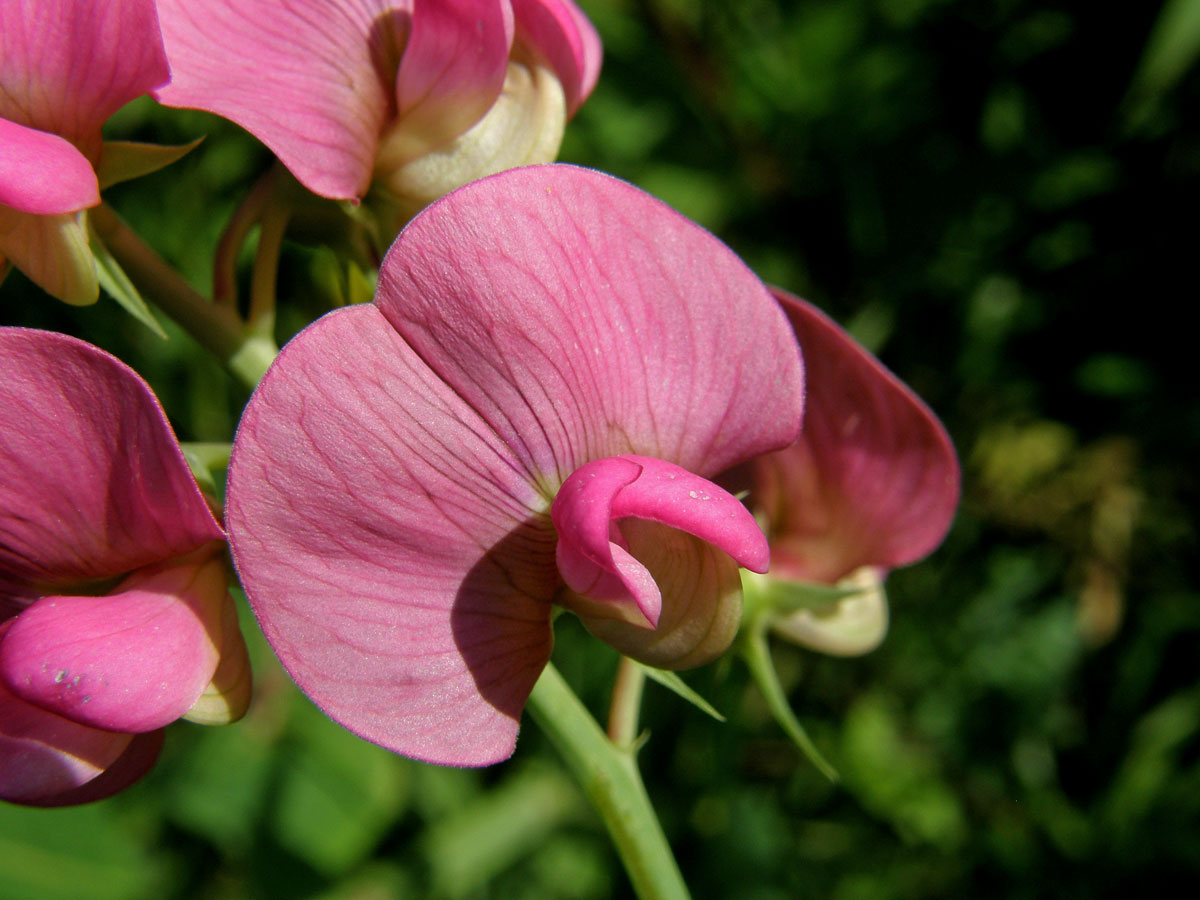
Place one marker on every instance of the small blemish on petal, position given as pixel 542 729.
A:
pixel 59 676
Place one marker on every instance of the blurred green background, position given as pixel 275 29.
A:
pixel 1000 199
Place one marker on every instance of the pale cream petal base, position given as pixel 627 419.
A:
pixel 855 625
pixel 53 253
pixel 523 127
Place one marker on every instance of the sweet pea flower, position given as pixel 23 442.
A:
pixel 554 366
pixel 417 96
pixel 65 67
pixel 115 618
pixel 871 484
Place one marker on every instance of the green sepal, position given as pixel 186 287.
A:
pixel 126 160
pixel 672 682
pixel 114 280
pixel 752 643
pixel 342 282
pixel 783 597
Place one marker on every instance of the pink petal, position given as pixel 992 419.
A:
pixel 312 80
pixel 134 660
pixel 46 760
pixel 138 758
pixel 397 559
pixel 92 482
pixel 582 318
pixel 451 72
pixel 560 32
pixel 873 479
pixel 42 173
pixel 67 65
pixel 591 557
pixel 43 755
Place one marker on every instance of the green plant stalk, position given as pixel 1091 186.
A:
pixel 211 454
pixel 245 352
pixel 626 705
pixel 610 777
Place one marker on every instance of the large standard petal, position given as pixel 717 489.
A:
pixel 873 479
pixel 43 173
pixel 398 560
pixel 134 660
pixel 92 482
pixel 310 79
pixel 67 65
pixel 450 75
pixel 559 32
pixel 582 318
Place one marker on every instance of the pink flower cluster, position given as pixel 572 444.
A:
pixel 114 614
pixel 557 376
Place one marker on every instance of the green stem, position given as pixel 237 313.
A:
pixel 212 455
pixel 626 704
pixel 245 217
pixel 218 329
pixel 610 777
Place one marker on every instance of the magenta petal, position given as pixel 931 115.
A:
pixel 132 661
pixel 560 32
pixel 582 318
pixel 873 479
pixel 67 65
pixel 308 78
pixel 92 481
pixel 589 553
pixel 451 72
pixel 138 758
pixel 600 493
pixel 43 755
pixel 42 173
pixel 397 559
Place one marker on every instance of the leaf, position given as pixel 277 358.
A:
pixel 497 828
pixel 1171 49
pixel 87 853
pixel 338 794
pixel 114 280
pixel 673 682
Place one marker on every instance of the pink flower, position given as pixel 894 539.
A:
pixel 871 484
pixel 65 67
pixel 114 614
pixel 554 366
pixel 418 95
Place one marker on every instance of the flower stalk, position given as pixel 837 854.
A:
pixel 244 351
pixel 609 775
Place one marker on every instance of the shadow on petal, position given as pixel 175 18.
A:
pixel 501 617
